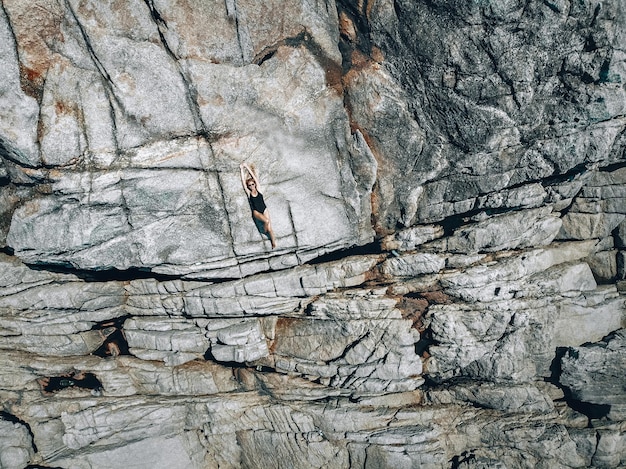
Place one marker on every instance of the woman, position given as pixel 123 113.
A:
pixel 260 214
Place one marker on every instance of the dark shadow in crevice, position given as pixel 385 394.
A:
pixel 424 343
pixel 104 275
pixel 267 55
pixel 431 383
pixel 361 41
pixel 364 250
pixel 8 251
pixel 13 419
pixel 208 356
pixel 451 224
pixel 39 466
pixel 81 380
pixel 454 222
pixel 115 343
pixel 8 152
pixel 567 176
pixel 555 366
pixel 612 167
pixel 119 275
pixel 463 458
pixel 591 411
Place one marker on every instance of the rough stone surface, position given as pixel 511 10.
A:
pixel 447 185
pixel 17 445
pixel 593 373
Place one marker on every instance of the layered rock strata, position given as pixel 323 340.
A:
pixel 447 185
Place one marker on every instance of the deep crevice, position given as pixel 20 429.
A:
pixel 590 410
pixel 362 250
pixel 115 343
pixel 362 42
pixel 8 250
pixel 191 92
pixel 424 343
pixel 14 419
pixel 9 154
pixel 105 275
pixel 39 466
pixel 208 356
pixel 463 458
pixel 81 380
pixel 451 224
pixel 596 13
pixel 612 167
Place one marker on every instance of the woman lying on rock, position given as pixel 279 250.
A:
pixel 260 214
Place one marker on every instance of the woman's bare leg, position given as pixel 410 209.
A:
pixel 268 229
pixel 267 226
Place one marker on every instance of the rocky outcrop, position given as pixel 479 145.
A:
pixel 143 128
pixel 588 372
pixel 446 183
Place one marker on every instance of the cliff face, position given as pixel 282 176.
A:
pixel 447 184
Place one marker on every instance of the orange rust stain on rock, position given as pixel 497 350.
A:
pixel 346 26
pixel 334 77
pixel 376 225
pixel 30 74
pixel 413 309
pixel 62 108
pixel 359 60
pixel 55 174
pixel 31 82
pixel 437 297
pixel 377 55
pixel 283 328
pixel 37 26
pixel 350 77
pixel 368 9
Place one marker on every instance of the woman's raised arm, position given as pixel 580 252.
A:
pixel 242 172
pixel 256 180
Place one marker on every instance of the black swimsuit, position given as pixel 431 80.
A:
pixel 257 203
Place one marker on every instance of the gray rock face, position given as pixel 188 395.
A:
pixel 16 444
pixel 598 367
pixel 480 106
pixel 150 143
pixel 446 181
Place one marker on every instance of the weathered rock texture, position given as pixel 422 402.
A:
pixel 447 183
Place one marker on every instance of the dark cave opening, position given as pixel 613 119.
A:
pixel 363 250
pixel 115 343
pixel 79 379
